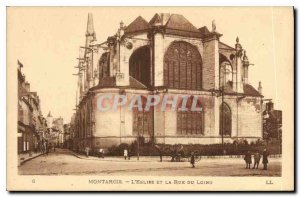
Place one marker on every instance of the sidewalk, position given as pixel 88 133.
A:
pixel 24 157
pixel 155 158
pixel 122 159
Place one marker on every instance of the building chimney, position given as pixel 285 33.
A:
pixel 259 87
pixel 270 106
pixel 27 86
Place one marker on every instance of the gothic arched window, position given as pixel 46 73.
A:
pixel 190 122
pixel 139 65
pixel 183 66
pixel 225 120
pixel 226 74
pixel 104 66
pixel 142 120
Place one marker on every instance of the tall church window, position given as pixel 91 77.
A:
pixel 226 74
pixel 190 122
pixel 183 66
pixel 142 120
pixel 225 120
pixel 104 65
pixel 139 65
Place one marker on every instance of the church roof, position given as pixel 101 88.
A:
pixel 136 84
pixel 247 88
pixel 204 31
pixel 250 90
pixel 139 24
pixel 175 24
pixel 225 46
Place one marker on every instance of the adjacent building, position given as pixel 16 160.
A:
pixel 31 123
pixel 55 130
pixel 272 122
pixel 169 56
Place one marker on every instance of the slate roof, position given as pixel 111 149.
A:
pixel 138 25
pixel 174 24
pixel 247 88
pixel 250 90
pixel 225 46
pixel 136 84
pixel 204 31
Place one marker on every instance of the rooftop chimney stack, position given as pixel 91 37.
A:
pixel 259 87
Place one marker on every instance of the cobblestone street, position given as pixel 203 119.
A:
pixel 63 162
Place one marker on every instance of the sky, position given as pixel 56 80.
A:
pixel 47 39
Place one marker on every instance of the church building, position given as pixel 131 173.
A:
pixel 165 56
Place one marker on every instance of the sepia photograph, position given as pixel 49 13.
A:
pixel 150 98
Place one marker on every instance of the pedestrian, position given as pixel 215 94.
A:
pixel 87 149
pixel 248 159
pixel 256 160
pixel 160 155
pixel 47 148
pixel 129 153
pixel 50 147
pixel 125 154
pixel 54 148
pixel 101 153
pixel 265 159
pixel 193 160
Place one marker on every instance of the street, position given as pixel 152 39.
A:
pixel 63 162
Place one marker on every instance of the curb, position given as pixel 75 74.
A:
pixel 24 161
pixel 202 157
pixel 95 159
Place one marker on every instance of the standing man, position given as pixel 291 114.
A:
pixel 160 155
pixel 193 160
pixel 125 154
pixel 129 153
pixel 248 159
pixel 265 159
pixel 256 160
pixel 50 147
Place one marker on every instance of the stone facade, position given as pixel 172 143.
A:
pixel 198 64
pixel 32 126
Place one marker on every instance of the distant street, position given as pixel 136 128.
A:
pixel 63 162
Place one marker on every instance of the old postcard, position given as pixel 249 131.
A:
pixel 150 98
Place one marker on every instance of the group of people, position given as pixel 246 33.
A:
pixel 47 147
pixel 248 157
pixel 257 157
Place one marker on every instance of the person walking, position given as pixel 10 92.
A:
pixel 265 159
pixel 256 160
pixel 125 154
pixel 248 159
pixel 129 153
pixel 87 149
pixel 46 148
pixel 101 151
pixel 160 155
pixel 193 160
